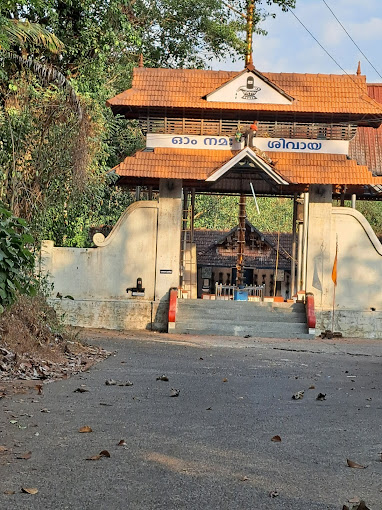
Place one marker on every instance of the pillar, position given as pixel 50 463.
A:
pixel 293 260
pixel 299 257
pixel 305 241
pixel 169 237
pixel 319 263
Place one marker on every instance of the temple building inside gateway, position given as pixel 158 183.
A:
pixel 306 137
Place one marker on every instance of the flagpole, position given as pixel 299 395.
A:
pixel 334 300
pixel 334 278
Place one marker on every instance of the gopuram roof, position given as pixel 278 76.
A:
pixel 189 113
pixel 201 165
pixel 190 88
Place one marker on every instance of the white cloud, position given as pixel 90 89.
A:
pixel 370 30
pixel 332 34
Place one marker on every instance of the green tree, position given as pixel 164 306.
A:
pixel 55 166
pixel 16 261
pixel 221 212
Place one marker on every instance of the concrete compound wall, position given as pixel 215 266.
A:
pixel 145 243
pixel 97 278
pixel 358 299
pixel 133 313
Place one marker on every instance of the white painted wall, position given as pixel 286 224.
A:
pixel 359 265
pixel 358 297
pixel 104 273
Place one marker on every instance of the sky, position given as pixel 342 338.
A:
pixel 289 48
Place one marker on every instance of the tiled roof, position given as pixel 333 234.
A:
pixel 208 254
pixel 186 88
pixel 174 163
pixel 366 147
pixel 296 168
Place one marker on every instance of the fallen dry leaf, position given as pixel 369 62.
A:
pixel 225 379
pixel 174 392
pixel 3 449
pixel 45 410
pixel 312 387
pixel 274 494
pixel 80 390
pixel 162 378
pixel 29 490
pixel 122 443
pixel 110 382
pixel 276 439
pixel 353 464
pixel 244 479
pixel 9 492
pixel 39 389
pixel 298 396
pixel 104 453
pixel 25 456
pixel 85 429
pixel 321 396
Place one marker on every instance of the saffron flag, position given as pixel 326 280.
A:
pixel 334 271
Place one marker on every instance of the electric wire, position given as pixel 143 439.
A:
pixel 329 55
pixel 351 38
pixel 377 119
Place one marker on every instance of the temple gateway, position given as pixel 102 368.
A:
pixel 306 137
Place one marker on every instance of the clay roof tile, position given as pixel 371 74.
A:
pixel 187 87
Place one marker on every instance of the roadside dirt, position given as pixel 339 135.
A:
pixel 35 348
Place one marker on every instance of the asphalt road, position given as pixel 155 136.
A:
pixel 210 447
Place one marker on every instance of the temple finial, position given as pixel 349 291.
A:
pixel 140 60
pixel 359 68
pixel 250 65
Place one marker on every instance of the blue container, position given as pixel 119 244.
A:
pixel 240 295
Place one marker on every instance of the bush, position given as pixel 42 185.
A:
pixel 16 261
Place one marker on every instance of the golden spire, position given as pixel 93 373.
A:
pixel 248 56
pixel 359 68
pixel 140 60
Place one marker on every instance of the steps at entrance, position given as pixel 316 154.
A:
pixel 238 318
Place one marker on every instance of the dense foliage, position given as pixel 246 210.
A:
pixel 221 212
pixel 16 261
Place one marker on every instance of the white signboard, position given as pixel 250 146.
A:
pixel 264 144
pixel 248 87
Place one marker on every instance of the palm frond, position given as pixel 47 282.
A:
pixel 48 74
pixel 21 32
